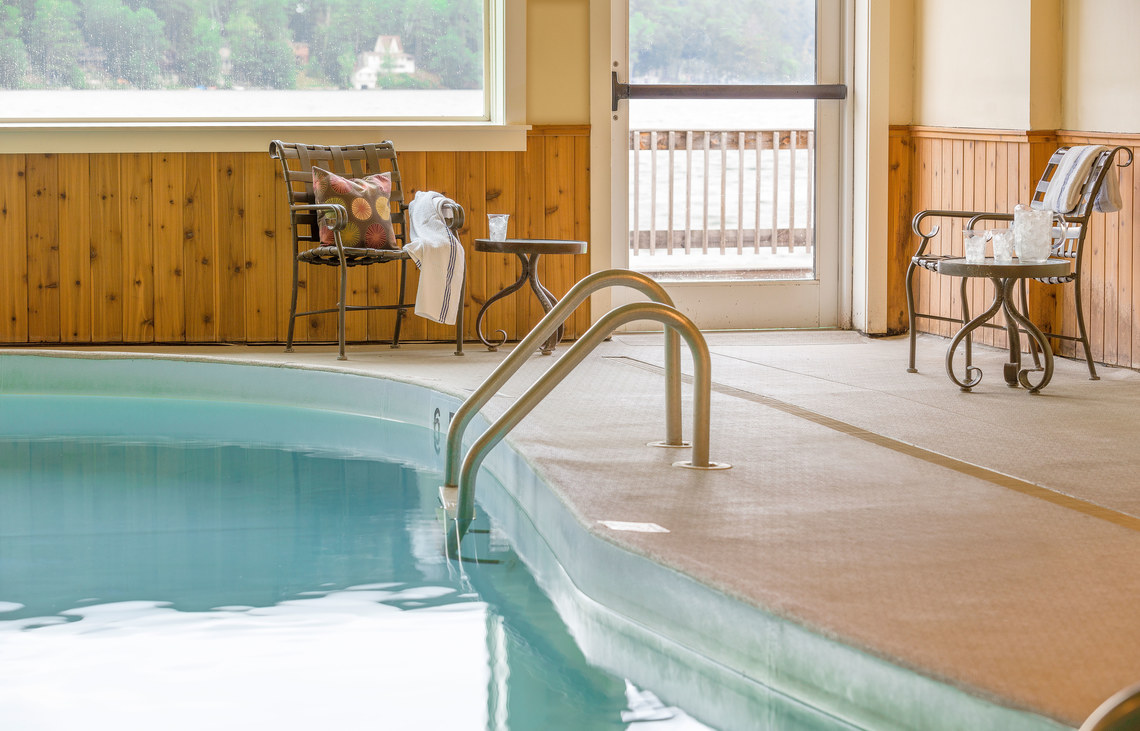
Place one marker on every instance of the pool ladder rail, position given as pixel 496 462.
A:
pixel 1121 712
pixel 457 494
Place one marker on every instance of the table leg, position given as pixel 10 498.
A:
pixel 547 300
pixel 973 374
pixel 483 310
pixel 1012 336
pixel 1015 318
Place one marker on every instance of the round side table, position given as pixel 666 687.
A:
pixel 528 251
pixel 1004 276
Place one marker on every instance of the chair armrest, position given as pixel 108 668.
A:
pixel 971 215
pixel 339 217
pixel 453 214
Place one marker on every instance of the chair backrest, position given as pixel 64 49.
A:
pixel 352 161
pixel 1068 243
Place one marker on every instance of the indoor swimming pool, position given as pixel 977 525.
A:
pixel 173 586
pixel 190 541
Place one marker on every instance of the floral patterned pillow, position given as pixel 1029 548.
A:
pixel 367 201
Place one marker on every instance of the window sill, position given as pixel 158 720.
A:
pixel 56 137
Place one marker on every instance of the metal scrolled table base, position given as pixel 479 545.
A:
pixel 528 251
pixel 545 298
pixel 1014 374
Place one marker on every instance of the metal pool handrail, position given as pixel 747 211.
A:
pixel 1121 712
pixel 543 330
pixel 702 388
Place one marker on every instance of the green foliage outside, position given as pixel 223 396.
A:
pixel 259 44
pixel 316 44
pixel 722 41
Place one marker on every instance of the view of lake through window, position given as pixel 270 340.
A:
pixel 311 49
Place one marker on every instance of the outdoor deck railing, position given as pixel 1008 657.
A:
pixel 721 191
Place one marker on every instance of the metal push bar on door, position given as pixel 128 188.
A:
pixel 621 91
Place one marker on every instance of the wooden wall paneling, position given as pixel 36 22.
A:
pixel 1111 281
pixel 413 168
pixel 43 248
pixel 581 176
pixel 107 248
pixel 76 287
pixel 559 211
pixel 989 203
pixel 168 171
pixel 504 171
pixel 895 293
pixel 286 252
pixel 199 248
pixel 952 236
pixel 137 206
pixel 940 243
pixel 230 226
pixel 922 201
pixel 957 184
pixel 1094 303
pixel 1131 198
pixel 1123 234
pixel 531 200
pixel 1002 202
pixel 261 239
pixel 13 249
pixel 440 176
pixel 976 192
pixel 470 192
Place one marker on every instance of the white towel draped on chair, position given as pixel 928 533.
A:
pixel 1064 191
pixel 439 256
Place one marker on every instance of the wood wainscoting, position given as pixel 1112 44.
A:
pixel 195 247
pixel 994 170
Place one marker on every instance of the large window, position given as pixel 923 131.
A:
pixel 247 60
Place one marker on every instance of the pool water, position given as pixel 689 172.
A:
pixel 190 586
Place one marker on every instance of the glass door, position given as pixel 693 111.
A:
pixel 726 144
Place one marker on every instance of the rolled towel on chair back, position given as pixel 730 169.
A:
pixel 1068 181
pixel 439 256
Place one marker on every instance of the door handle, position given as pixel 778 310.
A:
pixel 619 91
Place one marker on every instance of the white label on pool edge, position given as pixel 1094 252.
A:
pixel 633 527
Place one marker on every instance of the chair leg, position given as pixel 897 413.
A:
pixel 340 310
pixel 1084 335
pixel 910 314
pixel 292 309
pixel 459 319
pixel 401 309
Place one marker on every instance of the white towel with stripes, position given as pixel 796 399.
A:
pixel 439 256
pixel 1068 181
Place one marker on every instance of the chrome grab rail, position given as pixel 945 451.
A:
pixel 542 331
pixel 1121 712
pixel 702 388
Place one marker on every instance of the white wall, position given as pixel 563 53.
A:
pixel 1101 76
pixel 972 63
pixel 558 62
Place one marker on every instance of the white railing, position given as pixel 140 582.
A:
pixel 749 193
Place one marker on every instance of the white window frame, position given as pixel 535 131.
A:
pixel 504 128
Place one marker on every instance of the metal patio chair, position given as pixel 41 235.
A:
pixel 1068 243
pixel 307 216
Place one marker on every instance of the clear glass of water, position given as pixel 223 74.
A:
pixel 975 241
pixel 1003 245
pixel 497 225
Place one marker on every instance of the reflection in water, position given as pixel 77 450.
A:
pixel 175 587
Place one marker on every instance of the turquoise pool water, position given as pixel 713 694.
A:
pixel 183 586
pixel 145 584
